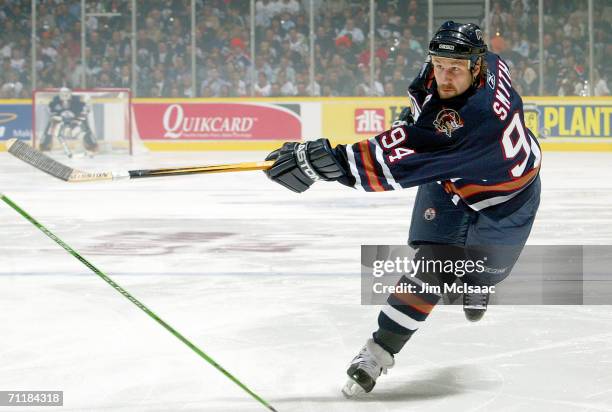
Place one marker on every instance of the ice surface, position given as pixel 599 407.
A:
pixel 267 282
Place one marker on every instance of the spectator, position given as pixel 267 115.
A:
pixel 17 61
pixel 263 86
pixel 12 88
pixel 399 84
pixel 161 83
pixel 600 87
pixel 352 32
pixel 108 74
pixel 125 77
pixel 412 43
pixel 286 87
pixel 301 89
pixel 297 42
pixel 529 78
pixel 237 86
pixel 263 13
pixel 365 88
pixel 214 82
pixel 290 6
pixel 317 86
pixel 274 90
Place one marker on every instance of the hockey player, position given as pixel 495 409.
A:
pixel 477 167
pixel 68 118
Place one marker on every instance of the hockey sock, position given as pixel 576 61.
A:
pixel 407 310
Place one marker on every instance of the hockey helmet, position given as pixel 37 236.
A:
pixel 65 94
pixel 458 41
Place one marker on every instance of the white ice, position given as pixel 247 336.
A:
pixel 267 283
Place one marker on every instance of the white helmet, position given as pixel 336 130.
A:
pixel 65 94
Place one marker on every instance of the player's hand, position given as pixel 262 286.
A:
pixel 298 165
pixel 420 86
pixel 404 119
pixel 422 82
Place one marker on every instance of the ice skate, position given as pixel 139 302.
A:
pixel 365 368
pixel 475 305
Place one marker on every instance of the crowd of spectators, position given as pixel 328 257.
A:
pixel 514 35
pixel 282 46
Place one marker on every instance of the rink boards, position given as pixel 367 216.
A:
pixel 562 124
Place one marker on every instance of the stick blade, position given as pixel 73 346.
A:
pixel 28 154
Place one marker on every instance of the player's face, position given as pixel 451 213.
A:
pixel 453 76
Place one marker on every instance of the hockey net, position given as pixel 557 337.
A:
pixel 110 118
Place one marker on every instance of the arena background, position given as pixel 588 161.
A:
pixel 324 67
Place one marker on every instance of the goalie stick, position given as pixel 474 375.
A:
pixel 42 162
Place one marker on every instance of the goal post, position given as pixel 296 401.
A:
pixel 110 118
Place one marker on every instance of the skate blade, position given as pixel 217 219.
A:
pixel 352 390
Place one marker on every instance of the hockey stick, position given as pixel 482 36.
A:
pixel 134 301
pixel 28 154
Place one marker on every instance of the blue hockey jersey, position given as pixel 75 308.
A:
pixel 476 145
pixel 75 105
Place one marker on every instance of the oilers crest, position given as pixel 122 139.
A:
pixel 447 121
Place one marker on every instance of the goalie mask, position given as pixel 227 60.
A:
pixel 65 94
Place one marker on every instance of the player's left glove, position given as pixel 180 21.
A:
pixel 404 119
pixel 298 165
pixel 420 87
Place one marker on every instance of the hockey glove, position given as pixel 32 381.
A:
pixel 298 165
pixel 67 115
pixel 420 86
pixel 404 119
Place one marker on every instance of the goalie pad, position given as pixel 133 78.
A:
pixel 83 132
pixel 51 131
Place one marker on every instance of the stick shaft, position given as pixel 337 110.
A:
pixel 42 162
pixel 232 167
pixel 135 301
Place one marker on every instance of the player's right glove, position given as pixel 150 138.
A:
pixel 298 165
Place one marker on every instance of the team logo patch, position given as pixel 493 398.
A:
pixel 430 213
pixel 478 34
pixel 447 121
pixel 491 80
